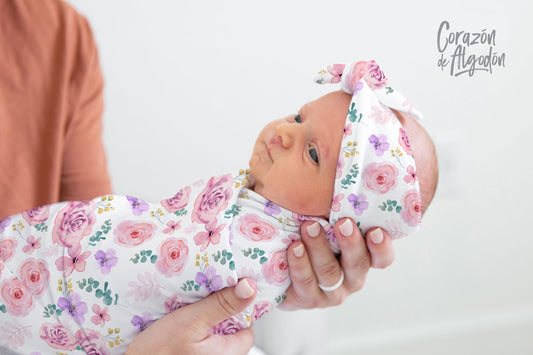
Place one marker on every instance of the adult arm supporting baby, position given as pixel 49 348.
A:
pixel 187 330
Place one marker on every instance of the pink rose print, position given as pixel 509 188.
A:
pixel 32 244
pixel 229 326
pixel 374 76
pixel 347 131
pixel 411 212
pixel 36 215
pixel 336 202
pixel 34 276
pixel 355 75
pixel 7 249
pixel 57 336
pixel 75 261
pixel 210 236
pixel 173 302
pixel 172 254
pixel 92 342
pixel 381 115
pixel 336 71
pixel 172 226
pixel 16 298
pixel 256 229
pixel 411 176
pixel 276 269
pixel 380 178
pixel 340 165
pixel 132 233
pixel 260 309
pixel 180 200
pixel 404 142
pixel 213 199
pixel 73 222
pixel 101 316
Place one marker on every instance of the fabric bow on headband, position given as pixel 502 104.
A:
pixel 376 182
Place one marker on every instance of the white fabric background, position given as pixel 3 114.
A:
pixel 183 77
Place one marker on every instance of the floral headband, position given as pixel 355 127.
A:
pixel 376 182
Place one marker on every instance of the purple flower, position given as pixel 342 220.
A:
pixel 106 260
pixel 137 205
pixel 272 209
pixel 142 322
pixel 358 203
pixel 380 143
pixel 210 280
pixel 74 306
pixel 4 223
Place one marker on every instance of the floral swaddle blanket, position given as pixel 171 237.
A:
pixel 91 275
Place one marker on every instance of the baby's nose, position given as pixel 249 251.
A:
pixel 288 133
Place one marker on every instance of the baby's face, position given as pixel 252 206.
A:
pixel 295 158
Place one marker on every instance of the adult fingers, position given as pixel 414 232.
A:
pixel 220 306
pixel 380 247
pixel 355 258
pixel 239 343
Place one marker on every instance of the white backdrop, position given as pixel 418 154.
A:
pixel 189 84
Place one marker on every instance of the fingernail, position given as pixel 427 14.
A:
pixel 299 251
pixel 243 290
pixel 346 228
pixel 313 230
pixel 377 236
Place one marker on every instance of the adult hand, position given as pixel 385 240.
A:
pixel 187 329
pixel 312 263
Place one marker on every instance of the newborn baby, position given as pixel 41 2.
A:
pixel 88 276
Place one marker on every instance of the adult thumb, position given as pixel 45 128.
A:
pixel 225 303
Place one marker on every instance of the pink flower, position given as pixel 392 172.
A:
pixel 355 75
pixel 36 215
pixel 256 229
pixel 229 326
pixel 34 276
pixel 32 244
pixel 57 336
pixel 374 76
pixel 92 342
pixel 173 302
pixel 172 255
pixel 101 316
pixel 73 222
pixel 213 199
pixel 381 115
pixel 180 200
pixel 7 249
pixel 75 261
pixel 340 165
pixel 260 309
pixel 17 299
pixel 411 176
pixel 404 142
pixel 347 131
pixel 336 71
pixel 172 226
pixel 276 269
pixel 380 178
pixel 336 202
pixel 411 212
pixel 131 233
pixel 210 236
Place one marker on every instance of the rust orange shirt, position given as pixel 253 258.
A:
pixel 51 105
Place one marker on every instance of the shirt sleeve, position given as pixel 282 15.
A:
pixel 84 173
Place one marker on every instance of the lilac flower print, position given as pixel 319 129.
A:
pixel 4 224
pixel 142 322
pixel 358 202
pixel 137 205
pixel 379 144
pixel 74 306
pixel 210 280
pixel 106 260
pixel 272 209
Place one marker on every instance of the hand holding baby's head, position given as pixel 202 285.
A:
pixel 353 153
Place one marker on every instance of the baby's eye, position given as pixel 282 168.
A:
pixel 313 154
pixel 298 118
